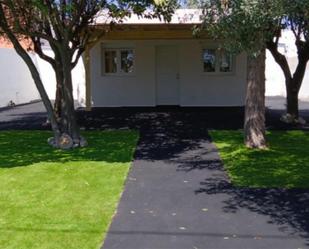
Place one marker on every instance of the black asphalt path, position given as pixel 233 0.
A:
pixel 177 194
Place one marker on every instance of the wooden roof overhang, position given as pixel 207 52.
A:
pixel 145 31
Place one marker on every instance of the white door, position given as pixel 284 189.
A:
pixel 167 75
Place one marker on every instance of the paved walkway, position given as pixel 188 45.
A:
pixel 28 116
pixel 178 196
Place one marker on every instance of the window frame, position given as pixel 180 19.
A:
pixel 217 62
pixel 118 51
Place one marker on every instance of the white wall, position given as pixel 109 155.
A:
pixel 16 81
pixel 17 84
pixel 133 90
pixel 200 89
pixel 49 79
pixel 139 89
pixel 275 81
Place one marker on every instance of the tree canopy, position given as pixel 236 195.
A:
pixel 242 25
pixel 245 26
pixel 251 26
pixel 66 25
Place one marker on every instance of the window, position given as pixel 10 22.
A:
pixel 217 61
pixel 110 61
pixel 127 59
pixel 225 61
pixel 209 57
pixel 118 61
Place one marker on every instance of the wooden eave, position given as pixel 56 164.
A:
pixel 146 31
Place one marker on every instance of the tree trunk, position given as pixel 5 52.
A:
pixel 58 69
pixel 292 82
pixel 46 101
pixel 254 126
pixel 58 97
pixel 292 99
pixel 69 122
pixel 35 75
pixel 68 117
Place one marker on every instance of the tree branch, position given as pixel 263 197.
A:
pixel 279 58
pixel 38 49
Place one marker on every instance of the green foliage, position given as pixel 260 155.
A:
pixel 56 199
pixel 242 25
pixel 297 18
pixel 247 25
pixel 284 165
pixel 148 8
pixel 68 23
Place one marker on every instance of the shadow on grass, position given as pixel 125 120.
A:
pixel 284 164
pixel 260 179
pixel 22 148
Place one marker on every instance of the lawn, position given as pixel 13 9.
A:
pixel 285 164
pixel 51 199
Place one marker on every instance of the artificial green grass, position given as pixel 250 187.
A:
pixel 285 164
pixel 52 199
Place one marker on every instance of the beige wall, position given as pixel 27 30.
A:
pixel 196 88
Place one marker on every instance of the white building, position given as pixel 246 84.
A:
pixel 146 62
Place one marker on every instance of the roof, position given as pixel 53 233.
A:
pixel 180 16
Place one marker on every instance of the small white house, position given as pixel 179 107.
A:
pixel 147 62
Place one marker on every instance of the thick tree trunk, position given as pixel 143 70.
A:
pixel 254 126
pixel 69 124
pixel 59 94
pixel 292 99
pixel 45 99
pixel 64 102
pixel 58 69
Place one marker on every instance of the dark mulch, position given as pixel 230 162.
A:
pixel 33 116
